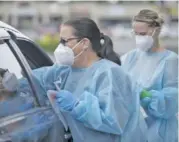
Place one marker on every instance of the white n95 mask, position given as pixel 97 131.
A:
pixel 64 55
pixel 144 43
pixel 10 81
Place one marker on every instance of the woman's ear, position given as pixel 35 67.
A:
pixel 86 42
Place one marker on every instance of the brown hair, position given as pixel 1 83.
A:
pixel 150 17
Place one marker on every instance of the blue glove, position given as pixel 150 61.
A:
pixel 65 100
pixel 145 102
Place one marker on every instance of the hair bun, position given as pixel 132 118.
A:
pixel 159 20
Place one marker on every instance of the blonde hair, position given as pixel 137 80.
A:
pixel 150 17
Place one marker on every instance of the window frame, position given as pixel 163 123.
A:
pixel 25 67
pixel 48 61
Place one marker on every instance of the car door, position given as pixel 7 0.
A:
pixel 22 119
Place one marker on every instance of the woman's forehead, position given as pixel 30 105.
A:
pixel 140 26
pixel 66 31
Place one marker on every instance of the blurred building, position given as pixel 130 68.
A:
pixel 113 17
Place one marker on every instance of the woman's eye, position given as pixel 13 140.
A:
pixel 62 41
pixel 142 33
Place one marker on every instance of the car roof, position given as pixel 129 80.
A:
pixel 12 29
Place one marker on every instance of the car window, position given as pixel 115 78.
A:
pixel 14 97
pixel 34 56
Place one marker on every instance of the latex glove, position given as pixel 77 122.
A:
pixel 145 102
pixel 65 100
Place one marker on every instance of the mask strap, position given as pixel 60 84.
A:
pixel 76 45
pixel 153 32
pixel 81 52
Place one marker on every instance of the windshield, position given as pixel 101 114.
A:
pixel 13 97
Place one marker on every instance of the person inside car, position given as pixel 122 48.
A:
pixel 12 99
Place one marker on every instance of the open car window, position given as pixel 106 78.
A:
pixel 35 57
pixel 14 98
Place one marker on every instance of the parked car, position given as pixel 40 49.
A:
pixel 20 122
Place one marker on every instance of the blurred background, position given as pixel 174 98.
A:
pixel 40 20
